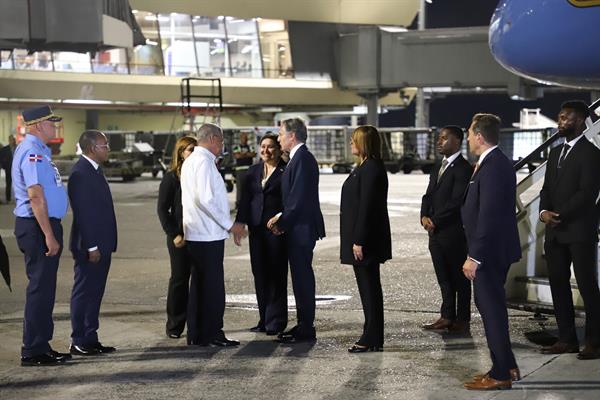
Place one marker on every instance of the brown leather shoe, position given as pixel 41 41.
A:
pixel 488 383
pixel 459 327
pixel 560 348
pixel 589 353
pixel 441 323
pixel 515 375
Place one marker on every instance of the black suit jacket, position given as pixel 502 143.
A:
pixel 364 217
pixel 257 204
pixel 442 200
pixel 301 219
pixel 489 212
pixel 572 192
pixel 94 222
pixel 168 207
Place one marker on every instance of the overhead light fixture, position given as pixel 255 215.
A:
pixel 393 29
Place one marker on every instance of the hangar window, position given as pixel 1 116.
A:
pixel 6 60
pixel 41 60
pixel 275 48
pixel 211 46
pixel 147 59
pixel 177 44
pixel 244 48
pixel 72 62
pixel 110 62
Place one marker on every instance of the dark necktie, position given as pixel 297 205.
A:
pixel 442 169
pixel 100 171
pixel 563 154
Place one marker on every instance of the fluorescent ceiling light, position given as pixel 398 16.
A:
pixel 84 101
pixel 393 29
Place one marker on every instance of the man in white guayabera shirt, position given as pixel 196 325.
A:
pixel 206 225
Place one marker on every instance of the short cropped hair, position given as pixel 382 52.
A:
pixel 488 125
pixel 89 139
pixel 206 131
pixel 455 131
pixel 578 106
pixel 297 126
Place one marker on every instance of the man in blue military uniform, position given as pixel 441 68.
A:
pixel 41 203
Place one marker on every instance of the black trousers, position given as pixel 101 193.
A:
pixel 86 298
pixel 448 250
pixel 371 296
pixel 41 270
pixel 584 257
pixel 179 283
pixel 303 283
pixel 206 305
pixel 268 257
pixel 490 299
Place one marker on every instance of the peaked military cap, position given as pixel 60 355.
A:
pixel 38 114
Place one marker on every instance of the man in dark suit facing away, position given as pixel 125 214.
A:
pixel 440 217
pixel 490 222
pixel 93 240
pixel 303 222
pixel 569 208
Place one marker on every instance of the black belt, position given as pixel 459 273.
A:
pixel 33 219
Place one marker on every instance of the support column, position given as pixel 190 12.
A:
pixel 421 109
pixel 372 105
pixel 91 119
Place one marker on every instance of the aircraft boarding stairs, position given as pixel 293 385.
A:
pixel 527 285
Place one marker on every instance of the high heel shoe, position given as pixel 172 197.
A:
pixel 363 349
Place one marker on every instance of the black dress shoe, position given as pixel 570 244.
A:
pixel 224 342
pixel 173 335
pixel 43 360
pixel 293 339
pixel 104 349
pixel 57 355
pixel 273 333
pixel 83 350
pixel 363 349
pixel 258 328
pixel 589 353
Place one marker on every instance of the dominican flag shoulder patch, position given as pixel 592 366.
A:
pixel 35 157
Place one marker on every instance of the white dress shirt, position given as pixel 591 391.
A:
pixel 204 198
pixel 294 150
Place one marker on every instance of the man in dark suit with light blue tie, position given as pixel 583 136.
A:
pixel 302 220
pixel 489 219
pixel 93 240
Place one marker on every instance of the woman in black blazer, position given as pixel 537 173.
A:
pixel 170 213
pixel 260 201
pixel 365 231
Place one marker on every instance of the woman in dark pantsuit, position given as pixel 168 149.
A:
pixel 170 214
pixel 260 201
pixel 365 231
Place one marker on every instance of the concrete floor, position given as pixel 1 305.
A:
pixel 147 365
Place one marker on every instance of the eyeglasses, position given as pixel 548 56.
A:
pixel 105 146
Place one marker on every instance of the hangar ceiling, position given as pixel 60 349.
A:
pixel 375 12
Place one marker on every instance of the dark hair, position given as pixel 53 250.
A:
pixel 88 139
pixel 297 126
pixel 578 106
pixel 273 137
pixel 488 125
pixel 455 131
pixel 367 141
